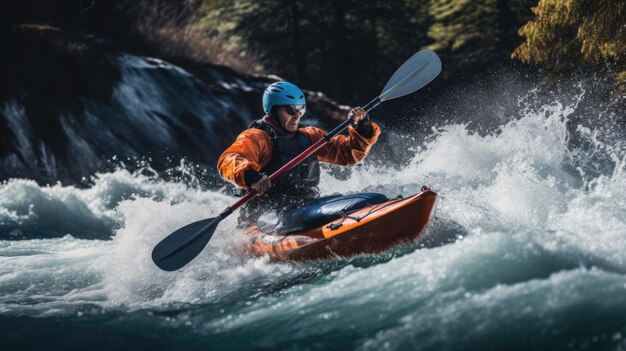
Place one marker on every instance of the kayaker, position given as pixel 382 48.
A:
pixel 277 138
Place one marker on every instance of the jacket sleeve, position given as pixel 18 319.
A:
pixel 343 150
pixel 250 152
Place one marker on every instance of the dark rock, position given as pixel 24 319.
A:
pixel 70 103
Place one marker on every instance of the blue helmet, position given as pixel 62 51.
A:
pixel 282 93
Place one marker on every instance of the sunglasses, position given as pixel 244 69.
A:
pixel 293 109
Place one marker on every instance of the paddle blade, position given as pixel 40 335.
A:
pixel 183 245
pixel 414 74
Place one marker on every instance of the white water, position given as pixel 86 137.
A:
pixel 541 248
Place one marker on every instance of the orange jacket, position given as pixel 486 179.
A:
pixel 253 149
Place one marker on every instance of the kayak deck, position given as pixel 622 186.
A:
pixel 372 229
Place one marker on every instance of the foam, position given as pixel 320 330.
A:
pixel 536 221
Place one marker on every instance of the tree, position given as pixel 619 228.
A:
pixel 344 47
pixel 569 33
pixel 472 34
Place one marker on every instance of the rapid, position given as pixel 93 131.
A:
pixel 526 250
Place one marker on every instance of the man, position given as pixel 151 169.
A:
pixel 277 138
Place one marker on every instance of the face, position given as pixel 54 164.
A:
pixel 289 121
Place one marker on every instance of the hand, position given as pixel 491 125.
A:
pixel 262 185
pixel 356 114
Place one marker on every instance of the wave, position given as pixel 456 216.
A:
pixel 30 211
pixel 537 207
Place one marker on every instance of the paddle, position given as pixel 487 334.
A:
pixel 183 245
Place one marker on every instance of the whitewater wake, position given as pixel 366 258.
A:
pixel 537 207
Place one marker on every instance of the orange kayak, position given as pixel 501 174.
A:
pixel 365 224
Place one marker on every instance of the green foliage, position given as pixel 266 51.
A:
pixel 471 34
pixel 346 48
pixel 343 47
pixel 568 33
